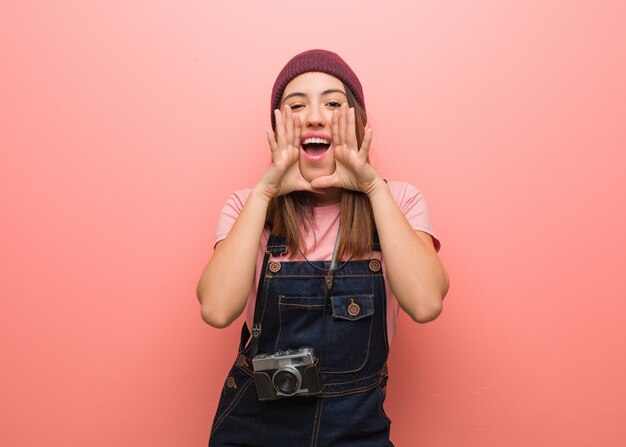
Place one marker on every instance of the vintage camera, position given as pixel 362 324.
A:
pixel 293 372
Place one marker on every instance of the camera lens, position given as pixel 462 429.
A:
pixel 287 381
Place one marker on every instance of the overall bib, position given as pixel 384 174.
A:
pixel 347 328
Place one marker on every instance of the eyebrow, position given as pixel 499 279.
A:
pixel 325 92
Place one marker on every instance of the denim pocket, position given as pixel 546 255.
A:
pixel 342 341
pixel 300 322
pixel 348 333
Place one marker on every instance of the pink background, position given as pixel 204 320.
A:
pixel 124 125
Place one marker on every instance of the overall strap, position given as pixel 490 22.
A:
pixel 276 245
pixel 375 242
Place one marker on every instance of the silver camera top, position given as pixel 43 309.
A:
pixel 291 357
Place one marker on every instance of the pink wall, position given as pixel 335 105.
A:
pixel 125 124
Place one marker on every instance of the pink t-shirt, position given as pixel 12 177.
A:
pixel 320 241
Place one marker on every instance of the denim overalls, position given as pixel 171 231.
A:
pixel 347 327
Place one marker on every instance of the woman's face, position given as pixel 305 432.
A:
pixel 313 97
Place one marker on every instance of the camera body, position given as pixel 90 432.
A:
pixel 293 372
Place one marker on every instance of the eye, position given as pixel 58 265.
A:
pixel 334 104
pixel 296 106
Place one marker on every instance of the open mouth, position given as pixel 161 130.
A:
pixel 315 147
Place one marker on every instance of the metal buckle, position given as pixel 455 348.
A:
pixel 256 330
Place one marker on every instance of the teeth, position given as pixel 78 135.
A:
pixel 316 141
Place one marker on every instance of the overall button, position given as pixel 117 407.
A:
pixel 374 265
pixel 230 382
pixel 354 309
pixel 241 360
pixel 274 266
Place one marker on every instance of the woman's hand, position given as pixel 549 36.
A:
pixel 284 176
pixel 353 171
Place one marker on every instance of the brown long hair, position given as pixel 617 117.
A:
pixel 289 213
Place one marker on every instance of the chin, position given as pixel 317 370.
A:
pixel 310 174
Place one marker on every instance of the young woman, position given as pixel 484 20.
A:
pixel 322 251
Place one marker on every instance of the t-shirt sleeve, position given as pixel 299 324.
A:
pixel 230 212
pixel 412 203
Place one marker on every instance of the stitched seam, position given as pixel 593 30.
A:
pixel 355 380
pixel 300 305
pixel 267 286
pixel 381 412
pixel 341 317
pixel 316 422
pixel 324 276
pixel 280 325
pixel 358 276
pixel 384 309
pixel 345 393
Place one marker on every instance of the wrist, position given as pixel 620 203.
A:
pixel 376 188
pixel 261 192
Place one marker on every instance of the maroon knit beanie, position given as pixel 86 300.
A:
pixel 316 60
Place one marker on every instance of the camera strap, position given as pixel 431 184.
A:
pixel 333 263
pixel 277 243
pixel 329 284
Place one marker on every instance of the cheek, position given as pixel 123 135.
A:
pixel 328 114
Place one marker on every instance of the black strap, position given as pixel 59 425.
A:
pixel 275 246
pixel 245 336
pixel 375 242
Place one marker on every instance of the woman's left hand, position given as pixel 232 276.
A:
pixel 352 171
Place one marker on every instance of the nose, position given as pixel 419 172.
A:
pixel 314 117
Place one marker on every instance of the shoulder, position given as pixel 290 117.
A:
pixel 404 192
pixel 412 204
pixel 238 198
pixel 230 212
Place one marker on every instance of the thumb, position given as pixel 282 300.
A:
pixel 326 181
pixel 303 185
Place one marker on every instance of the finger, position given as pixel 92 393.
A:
pixel 351 130
pixel 271 139
pixel 335 128
pixel 298 131
pixel 365 145
pixel 288 124
pixel 296 181
pixel 342 123
pixel 280 128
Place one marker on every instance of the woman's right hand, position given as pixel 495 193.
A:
pixel 284 176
